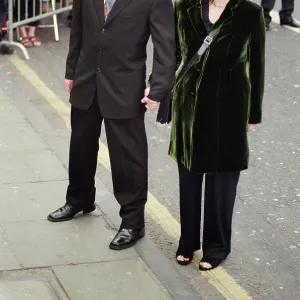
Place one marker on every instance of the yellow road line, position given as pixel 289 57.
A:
pixel 219 278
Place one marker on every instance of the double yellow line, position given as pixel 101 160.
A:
pixel 219 278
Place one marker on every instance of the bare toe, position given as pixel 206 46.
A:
pixel 182 258
pixel 206 265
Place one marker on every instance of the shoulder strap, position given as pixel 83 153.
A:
pixel 206 43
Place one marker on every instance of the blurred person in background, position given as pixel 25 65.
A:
pixel 22 12
pixel 69 18
pixel 216 102
pixel 3 14
pixel 285 14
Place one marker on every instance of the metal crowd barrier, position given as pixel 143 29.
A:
pixel 24 12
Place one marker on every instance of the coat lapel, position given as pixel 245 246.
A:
pixel 117 8
pixel 100 10
pixel 194 13
pixel 196 19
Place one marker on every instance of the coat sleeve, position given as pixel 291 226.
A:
pixel 257 69
pixel 75 40
pixel 162 29
pixel 177 42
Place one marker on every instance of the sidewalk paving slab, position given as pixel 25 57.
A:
pixel 38 199
pixel 9 114
pixel 36 284
pixel 15 133
pixel 26 289
pixel 8 261
pixel 82 240
pixel 30 166
pixel 113 280
pixel 24 156
pixel 18 138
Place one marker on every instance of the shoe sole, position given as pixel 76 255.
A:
pixel 287 25
pixel 118 248
pixel 85 212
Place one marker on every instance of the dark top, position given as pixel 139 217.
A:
pixel 205 15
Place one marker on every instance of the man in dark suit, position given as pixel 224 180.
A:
pixel 106 75
pixel 286 13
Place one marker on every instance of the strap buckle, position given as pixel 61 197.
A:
pixel 208 40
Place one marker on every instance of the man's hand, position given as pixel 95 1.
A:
pixel 68 85
pixel 251 127
pixel 150 104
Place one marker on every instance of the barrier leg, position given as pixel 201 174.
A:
pixel 15 44
pixel 10 32
pixel 55 23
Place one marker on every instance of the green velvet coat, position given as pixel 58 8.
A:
pixel 222 92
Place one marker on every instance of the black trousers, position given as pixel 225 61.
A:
pixel 219 199
pixel 23 12
pixel 128 151
pixel 285 13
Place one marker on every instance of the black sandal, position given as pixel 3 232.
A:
pixel 180 252
pixel 214 262
pixel 184 262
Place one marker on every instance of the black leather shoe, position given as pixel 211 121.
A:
pixel 290 22
pixel 126 238
pixel 68 212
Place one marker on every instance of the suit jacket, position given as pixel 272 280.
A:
pixel 108 58
pixel 223 91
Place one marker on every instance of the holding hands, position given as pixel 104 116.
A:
pixel 150 104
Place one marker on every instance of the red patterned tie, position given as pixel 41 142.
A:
pixel 108 4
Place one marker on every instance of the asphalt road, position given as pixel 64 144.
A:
pixel 265 259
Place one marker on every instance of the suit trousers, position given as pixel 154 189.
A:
pixel 128 151
pixel 219 199
pixel 285 13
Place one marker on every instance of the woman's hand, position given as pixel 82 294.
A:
pixel 150 104
pixel 251 127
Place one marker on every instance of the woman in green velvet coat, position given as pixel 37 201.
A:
pixel 215 104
